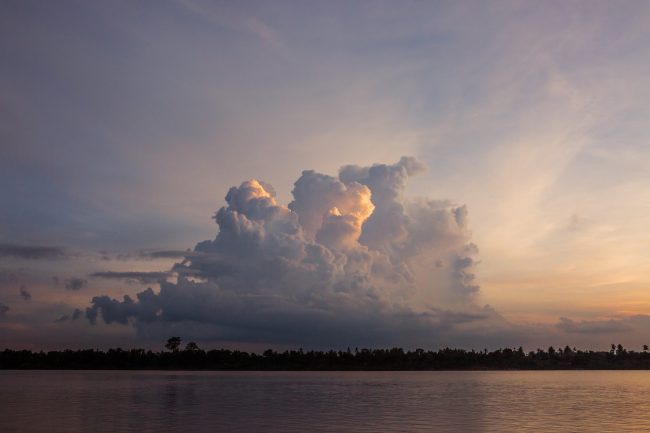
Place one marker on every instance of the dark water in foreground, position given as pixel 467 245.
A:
pixel 507 401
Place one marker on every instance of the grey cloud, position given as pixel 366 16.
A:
pixel 404 229
pixel 4 309
pixel 32 252
pixel 144 255
pixel 229 317
pixel 608 326
pixel 74 283
pixel 132 277
pixel 343 261
pixel 76 315
pixel 463 278
pixel 25 294
pixel 387 224
pixel 146 308
pixel 164 254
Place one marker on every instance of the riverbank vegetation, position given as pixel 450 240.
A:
pixel 194 358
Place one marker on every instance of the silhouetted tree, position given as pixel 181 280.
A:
pixel 192 347
pixel 645 347
pixel 173 344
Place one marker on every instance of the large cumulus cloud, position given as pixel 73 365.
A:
pixel 350 260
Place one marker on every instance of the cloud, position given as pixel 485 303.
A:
pixel 348 261
pixel 4 309
pixel 31 252
pixel 132 277
pixel 112 310
pixel 25 294
pixel 76 315
pixel 74 283
pixel 163 254
pixel 232 19
pixel 144 255
pixel 608 326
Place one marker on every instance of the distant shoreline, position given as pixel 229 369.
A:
pixel 395 359
pixel 450 370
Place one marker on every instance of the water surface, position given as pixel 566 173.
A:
pixel 128 401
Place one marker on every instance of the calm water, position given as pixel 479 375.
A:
pixel 73 401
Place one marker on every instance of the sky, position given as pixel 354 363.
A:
pixel 324 174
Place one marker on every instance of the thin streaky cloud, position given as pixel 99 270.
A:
pixel 32 252
pixel 132 276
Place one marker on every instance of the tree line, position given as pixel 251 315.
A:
pixel 192 357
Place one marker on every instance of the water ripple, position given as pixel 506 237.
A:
pixel 193 402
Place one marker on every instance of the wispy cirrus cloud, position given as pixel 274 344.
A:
pixel 232 18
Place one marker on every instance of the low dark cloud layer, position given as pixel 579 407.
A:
pixel 144 255
pixel 163 254
pixel 32 252
pixel 348 261
pixel 4 309
pixel 132 277
pixel 608 326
